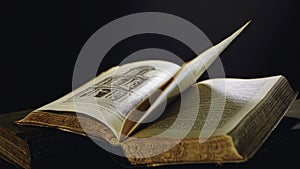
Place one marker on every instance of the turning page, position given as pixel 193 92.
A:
pixel 184 78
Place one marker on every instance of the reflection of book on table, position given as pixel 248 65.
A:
pixel 216 120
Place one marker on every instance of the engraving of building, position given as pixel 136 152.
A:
pixel 117 88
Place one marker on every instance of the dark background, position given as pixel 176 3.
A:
pixel 40 41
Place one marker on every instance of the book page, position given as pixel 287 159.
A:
pixel 186 76
pixel 191 71
pixel 114 93
pixel 241 96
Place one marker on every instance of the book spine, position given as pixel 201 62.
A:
pixel 13 149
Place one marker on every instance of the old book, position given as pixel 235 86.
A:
pixel 158 114
pixel 82 153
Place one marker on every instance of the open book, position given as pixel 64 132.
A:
pixel 157 113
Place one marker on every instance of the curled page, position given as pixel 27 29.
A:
pixel 184 78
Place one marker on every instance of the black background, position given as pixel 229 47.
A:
pixel 40 41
